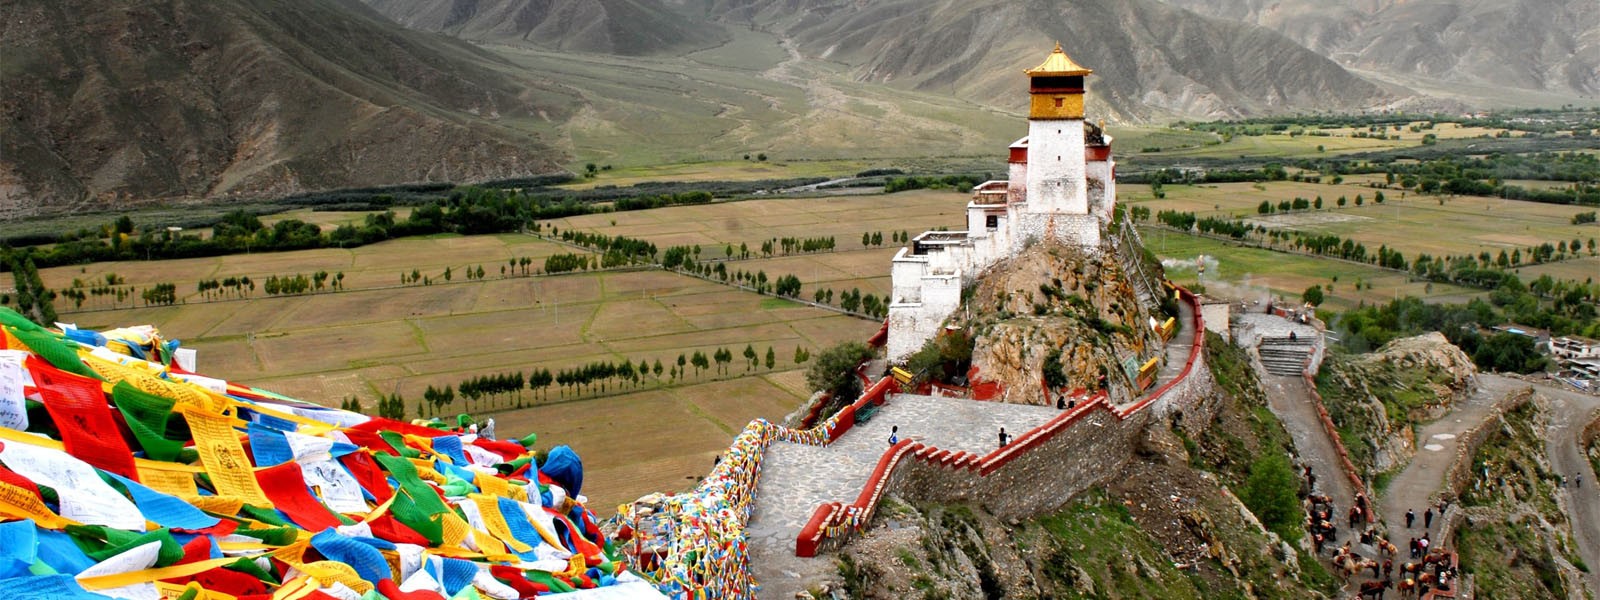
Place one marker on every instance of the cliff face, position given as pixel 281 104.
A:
pixel 1054 308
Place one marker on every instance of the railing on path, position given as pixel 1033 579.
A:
pixel 831 524
pixel 702 552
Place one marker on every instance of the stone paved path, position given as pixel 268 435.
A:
pixel 1292 402
pixel 1178 347
pixel 1424 475
pixel 795 479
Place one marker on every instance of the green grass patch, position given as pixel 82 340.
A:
pixel 778 303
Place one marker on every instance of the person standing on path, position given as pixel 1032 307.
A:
pixel 894 435
pixel 1427 518
pixel 1004 437
pixel 1411 517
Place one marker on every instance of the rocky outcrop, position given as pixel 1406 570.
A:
pixel 1055 307
pixel 1375 399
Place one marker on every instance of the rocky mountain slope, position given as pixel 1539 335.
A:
pixel 1544 45
pixel 1152 60
pixel 627 27
pixel 111 100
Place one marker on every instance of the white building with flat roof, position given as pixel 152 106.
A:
pixel 1061 186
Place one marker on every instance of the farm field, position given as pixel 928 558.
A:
pixel 1413 224
pixel 1247 272
pixel 714 226
pixel 377 265
pixel 327 346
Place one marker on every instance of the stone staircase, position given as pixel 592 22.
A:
pixel 1126 245
pixel 1283 356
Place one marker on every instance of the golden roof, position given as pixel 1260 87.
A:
pixel 1058 64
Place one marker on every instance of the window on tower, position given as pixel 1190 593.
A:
pixel 1058 102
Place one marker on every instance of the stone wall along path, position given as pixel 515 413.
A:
pixel 796 479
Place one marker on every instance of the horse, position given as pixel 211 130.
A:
pixel 1406 587
pixel 1375 589
pixel 1388 548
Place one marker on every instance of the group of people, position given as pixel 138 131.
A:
pixel 894 436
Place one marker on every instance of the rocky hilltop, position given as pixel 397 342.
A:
pixel 1054 307
pixel 1170 523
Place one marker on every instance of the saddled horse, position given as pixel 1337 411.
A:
pixel 1375 589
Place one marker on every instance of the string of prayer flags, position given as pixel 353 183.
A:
pixel 124 475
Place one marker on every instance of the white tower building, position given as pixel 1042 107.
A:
pixel 1061 187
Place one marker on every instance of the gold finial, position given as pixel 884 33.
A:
pixel 1058 46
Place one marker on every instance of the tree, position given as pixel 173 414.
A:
pixel 834 370
pixel 800 355
pixel 657 368
pixel 698 360
pixel 1264 208
pixel 749 357
pixel 1270 492
pixel 866 239
pixel 1507 351
pixel 1313 295
pixel 1341 202
pixel 772 358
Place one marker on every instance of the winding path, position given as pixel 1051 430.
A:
pixel 1414 486
pixel 1571 412
pixel 796 479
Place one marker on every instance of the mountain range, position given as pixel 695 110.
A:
pixel 108 103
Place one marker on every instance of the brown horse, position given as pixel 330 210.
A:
pixel 1407 587
pixel 1388 548
pixel 1375 589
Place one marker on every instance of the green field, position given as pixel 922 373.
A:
pixel 1413 224
pixel 1254 273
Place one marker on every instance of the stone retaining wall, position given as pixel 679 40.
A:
pixel 1071 452
pixel 1460 473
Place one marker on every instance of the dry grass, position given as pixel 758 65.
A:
pixel 326 347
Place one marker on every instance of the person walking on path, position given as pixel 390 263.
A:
pixel 894 435
pixel 1411 517
pixel 1004 437
pixel 1427 518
